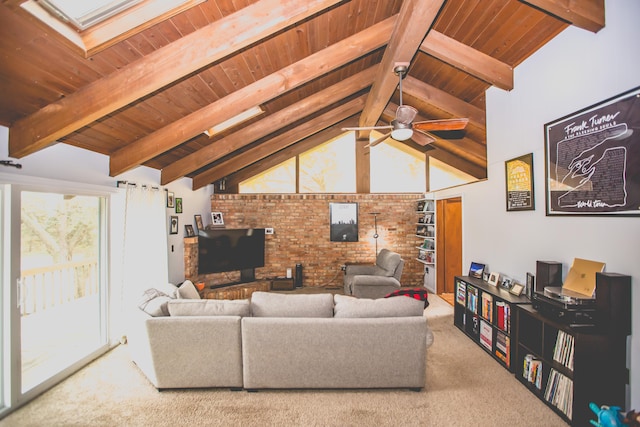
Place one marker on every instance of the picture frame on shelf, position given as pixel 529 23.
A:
pixel 476 270
pixel 178 202
pixel 506 282
pixel 173 224
pixel 170 199
pixel 493 278
pixel 516 289
pixel 217 220
pixel 519 183
pixel 189 231
pixel 198 221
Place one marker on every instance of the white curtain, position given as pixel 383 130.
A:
pixel 145 259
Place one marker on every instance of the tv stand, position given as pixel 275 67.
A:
pixel 235 291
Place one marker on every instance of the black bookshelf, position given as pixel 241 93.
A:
pixel 485 313
pixel 567 367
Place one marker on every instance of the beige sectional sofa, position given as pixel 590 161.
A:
pixel 277 341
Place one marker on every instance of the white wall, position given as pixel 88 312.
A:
pixel 573 71
pixel 64 163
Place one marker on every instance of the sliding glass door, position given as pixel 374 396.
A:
pixel 57 309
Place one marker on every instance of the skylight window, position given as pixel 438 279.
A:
pixel 83 14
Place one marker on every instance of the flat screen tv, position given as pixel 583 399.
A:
pixel 231 249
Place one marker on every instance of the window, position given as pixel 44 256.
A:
pixel 329 167
pixel 397 168
pixel 279 179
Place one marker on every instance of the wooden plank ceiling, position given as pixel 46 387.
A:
pixel 313 66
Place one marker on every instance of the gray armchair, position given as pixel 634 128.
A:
pixel 374 281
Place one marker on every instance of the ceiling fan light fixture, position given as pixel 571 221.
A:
pixel 401 131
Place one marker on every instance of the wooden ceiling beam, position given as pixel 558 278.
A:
pixel 444 101
pixel 414 21
pixel 157 70
pixel 468 59
pixel 586 14
pixel 251 133
pixel 279 142
pixel 293 150
pixel 265 89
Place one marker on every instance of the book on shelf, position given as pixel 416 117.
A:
pixel 486 335
pixel 461 293
pixel 559 392
pixel 487 306
pixel 472 299
pixel 503 316
pixel 503 347
pixel 532 371
pixel 563 350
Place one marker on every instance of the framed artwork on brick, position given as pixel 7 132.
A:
pixel 343 222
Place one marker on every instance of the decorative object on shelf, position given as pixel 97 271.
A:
pixel 178 205
pixel 375 229
pixel 216 219
pixel 530 286
pixel 493 278
pixel 608 416
pixel 188 230
pixel 198 220
pixel 343 222
pixel 516 289
pixel 476 270
pixel 173 224
pixel 170 199
pixel 519 183
pixel 591 159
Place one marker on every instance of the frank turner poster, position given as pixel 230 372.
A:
pixel 593 159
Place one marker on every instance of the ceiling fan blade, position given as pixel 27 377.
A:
pixel 379 140
pixel 368 128
pixel 405 114
pixel 444 124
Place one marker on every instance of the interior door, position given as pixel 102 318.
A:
pixel 448 243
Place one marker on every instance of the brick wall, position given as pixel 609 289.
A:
pixel 301 234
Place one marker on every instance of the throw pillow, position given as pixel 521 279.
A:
pixel 187 290
pixel 419 294
pixel 209 307
pixel 269 304
pixel 154 303
pixel 347 306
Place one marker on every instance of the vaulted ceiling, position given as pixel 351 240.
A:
pixel 314 66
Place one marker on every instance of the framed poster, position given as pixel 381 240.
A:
pixel 519 183
pixel 592 159
pixel 343 222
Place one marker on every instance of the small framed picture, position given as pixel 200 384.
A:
pixel 198 220
pixel 173 224
pixel 178 204
pixel 476 270
pixel 216 219
pixel 516 289
pixel 170 199
pixel 493 278
pixel 506 282
pixel 188 231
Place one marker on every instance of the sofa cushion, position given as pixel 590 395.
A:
pixel 209 307
pixel 187 290
pixel 268 304
pixel 154 303
pixel 347 306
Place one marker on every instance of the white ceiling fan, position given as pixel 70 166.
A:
pixel 402 126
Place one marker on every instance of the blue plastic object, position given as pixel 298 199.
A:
pixel 608 416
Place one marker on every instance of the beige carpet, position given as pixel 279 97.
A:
pixel 465 387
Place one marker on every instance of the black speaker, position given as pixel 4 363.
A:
pixel 613 303
pixel 548 273
pixel 298 281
